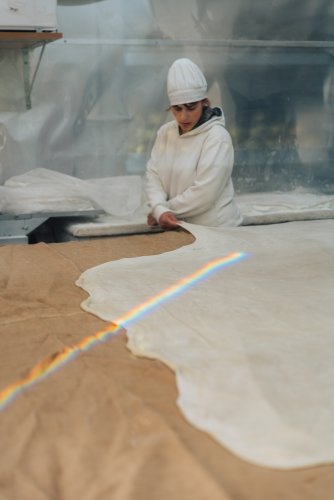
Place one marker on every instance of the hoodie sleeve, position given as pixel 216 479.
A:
pixel 157 197
pixel 213 174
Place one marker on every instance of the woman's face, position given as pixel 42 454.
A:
pixel 187 115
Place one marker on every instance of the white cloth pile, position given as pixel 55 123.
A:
pixel 42 190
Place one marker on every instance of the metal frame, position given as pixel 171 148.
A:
pixel 28 86
pixel 15 228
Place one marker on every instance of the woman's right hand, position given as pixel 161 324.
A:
pixel 151 220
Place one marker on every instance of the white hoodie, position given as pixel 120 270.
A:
pixel 190 174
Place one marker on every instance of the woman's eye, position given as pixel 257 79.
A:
pixel 189 107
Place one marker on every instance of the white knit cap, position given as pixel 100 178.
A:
pixel 185 82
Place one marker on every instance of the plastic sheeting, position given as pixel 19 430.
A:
pixel 99 94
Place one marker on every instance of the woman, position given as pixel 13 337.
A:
pixel 188 176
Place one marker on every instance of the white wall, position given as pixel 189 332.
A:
pixel 99 94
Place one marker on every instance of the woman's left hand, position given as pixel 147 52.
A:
pixel 168 221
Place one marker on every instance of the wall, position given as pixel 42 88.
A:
pixel 99 95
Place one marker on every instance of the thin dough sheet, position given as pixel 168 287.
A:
pixel 251 344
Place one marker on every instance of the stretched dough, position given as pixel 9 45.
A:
pixel 252 345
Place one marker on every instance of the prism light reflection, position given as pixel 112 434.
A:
pixel 61 358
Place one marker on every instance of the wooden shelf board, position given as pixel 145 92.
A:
pixel 26 39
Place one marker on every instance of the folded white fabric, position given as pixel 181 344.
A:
pixel 43 190
pixel 273 207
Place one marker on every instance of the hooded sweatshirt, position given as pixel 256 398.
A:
pixel 190 174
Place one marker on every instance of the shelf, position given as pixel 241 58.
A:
pixel 26 39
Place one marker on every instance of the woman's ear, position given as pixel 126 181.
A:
pixel 206 103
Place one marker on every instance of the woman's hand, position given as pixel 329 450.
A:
pixel 168 221
pixel 151 220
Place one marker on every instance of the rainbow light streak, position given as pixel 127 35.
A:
pixel 59 359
